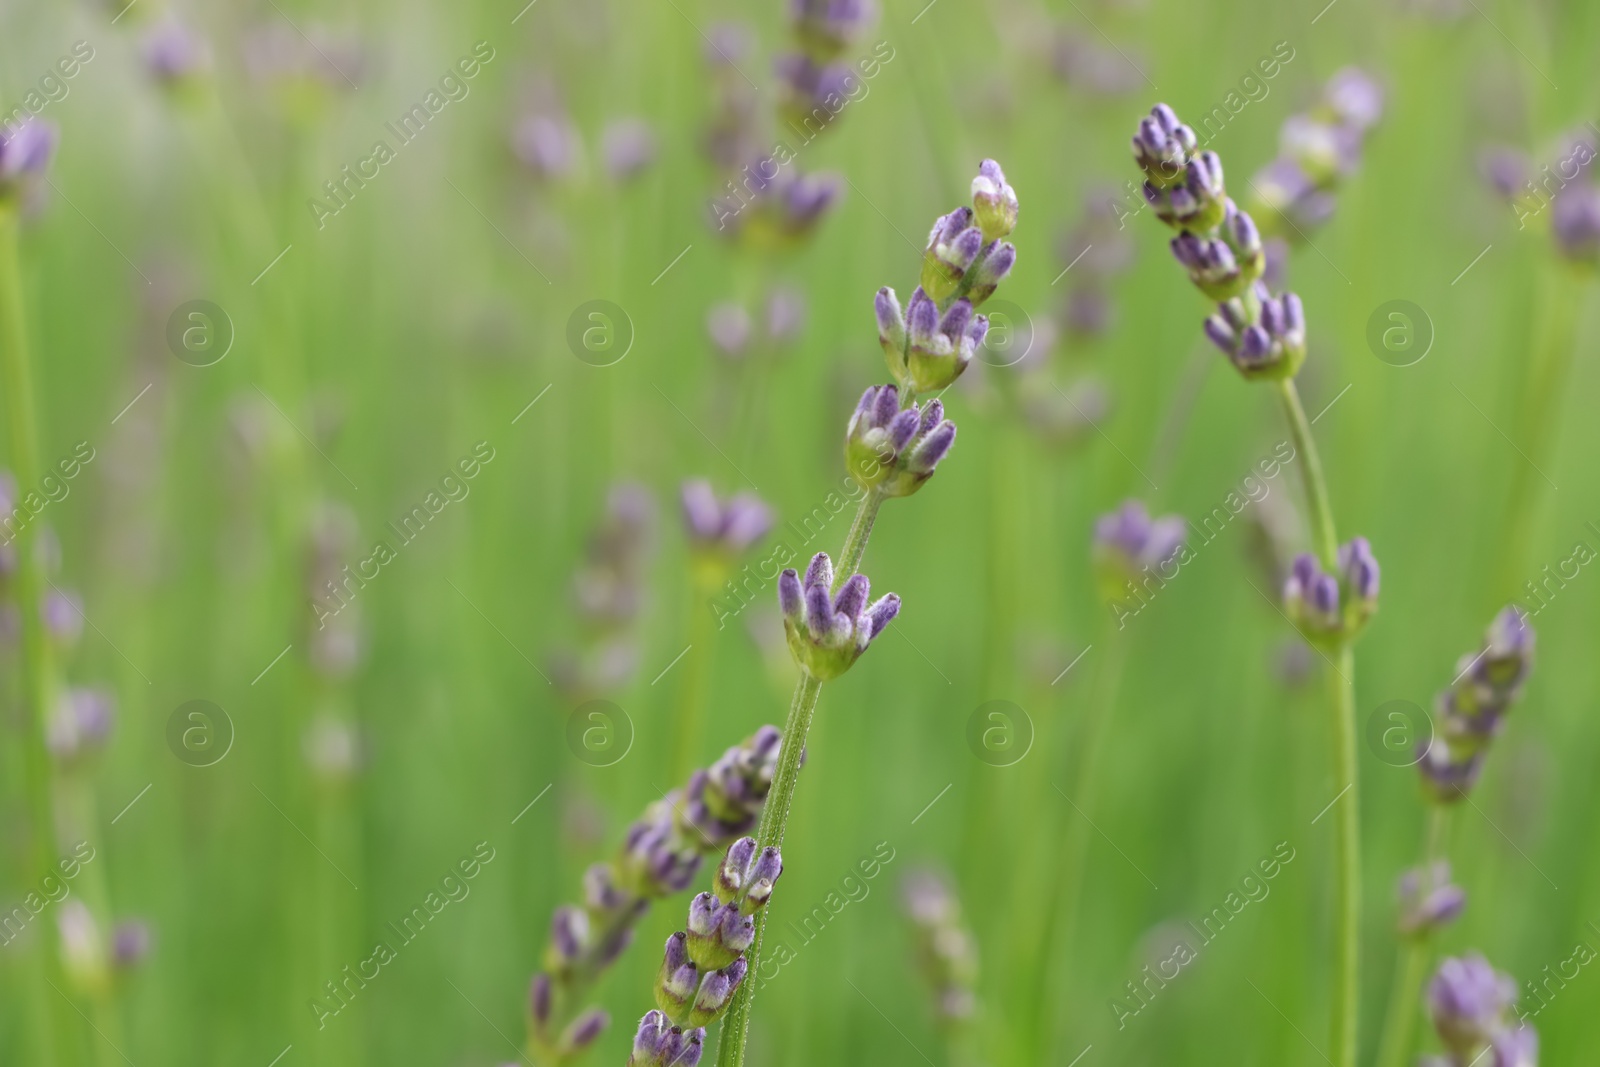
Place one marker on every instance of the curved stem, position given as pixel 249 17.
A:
pixel 1323 537
pixel 774 820
pixel 775 815
pixel 1054 940
pixel 1347 925
pixel 855 542
pixel 1411 967
pixel 1347 815
pixel 16 379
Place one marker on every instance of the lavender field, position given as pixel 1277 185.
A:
pixel 823 531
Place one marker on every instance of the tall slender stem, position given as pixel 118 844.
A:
pixel 1411 964
pixel 774 820
pixel 855 542
pixel 16 378
pixel 1323 538
pixel 1347 926
pixel 1347 896
pixel 1054 939
pixel 775 815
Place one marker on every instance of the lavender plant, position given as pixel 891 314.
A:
pixel 607 594
pixel 659 857
pixel 1320 149
pixel 1471 1003
pixel 719 532
pixel 1330 595
pixel 828 619
pixel 704 966
pixel 1470 713
pixel 946 954
pixel 26 149
pixel 1566 199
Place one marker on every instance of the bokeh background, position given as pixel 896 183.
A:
pixel 431 320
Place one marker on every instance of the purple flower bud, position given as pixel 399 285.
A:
pixel 1575 221
pixel 547 145
pixel 728 326
pixel 1129 546
pixel 1428 900
pixel 852 596
pixel 994 202
pixel 81 723
pixel 722 527
pixel 130 944
pixel 1469 1000
pixel 891 329
pixel 1517 1047
pixel 569 933
pixel 786 315
pixel 173 52
pixel 882 614
pixel 1162 147
pixel 820 571
pixel 790 601
pixel 628 147
pixel 584 1030
pixel 539 998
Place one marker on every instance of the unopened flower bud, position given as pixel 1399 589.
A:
pixel 1272 344
pixel 1331 608
pixel 718 933
pixel 747 875
pixel 1428 900
pixel 994 202
pixel 716 993
pixel 1162 147
pixel 895 451
pixel 940 346
pixel 828 634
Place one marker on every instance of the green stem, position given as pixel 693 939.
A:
pixel 1323 537
pixel 16 378
pixel 1347 815
pixel 774 820
pixel 1347 925
pixel 1553 351
pixel 855 542
pixel 1411 967
pixel 775 815
pixel 1054 941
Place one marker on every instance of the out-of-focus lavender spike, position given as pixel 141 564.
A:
pixel 1470 1001
pixel 627 147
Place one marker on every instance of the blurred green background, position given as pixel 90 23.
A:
pixel 427 315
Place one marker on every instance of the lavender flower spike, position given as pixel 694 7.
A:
pixel 1229 262
pixel 827 635
pixel 1428 900
pixel 1129 544
pixel 1473 709
pixel 1271 343
pixel 659 1044
pixel 723 527
pixel 895 451
pixel 1470 1001
pixel 26 149
pixel 1332 608
pixel 1162 147
pixel 939 347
